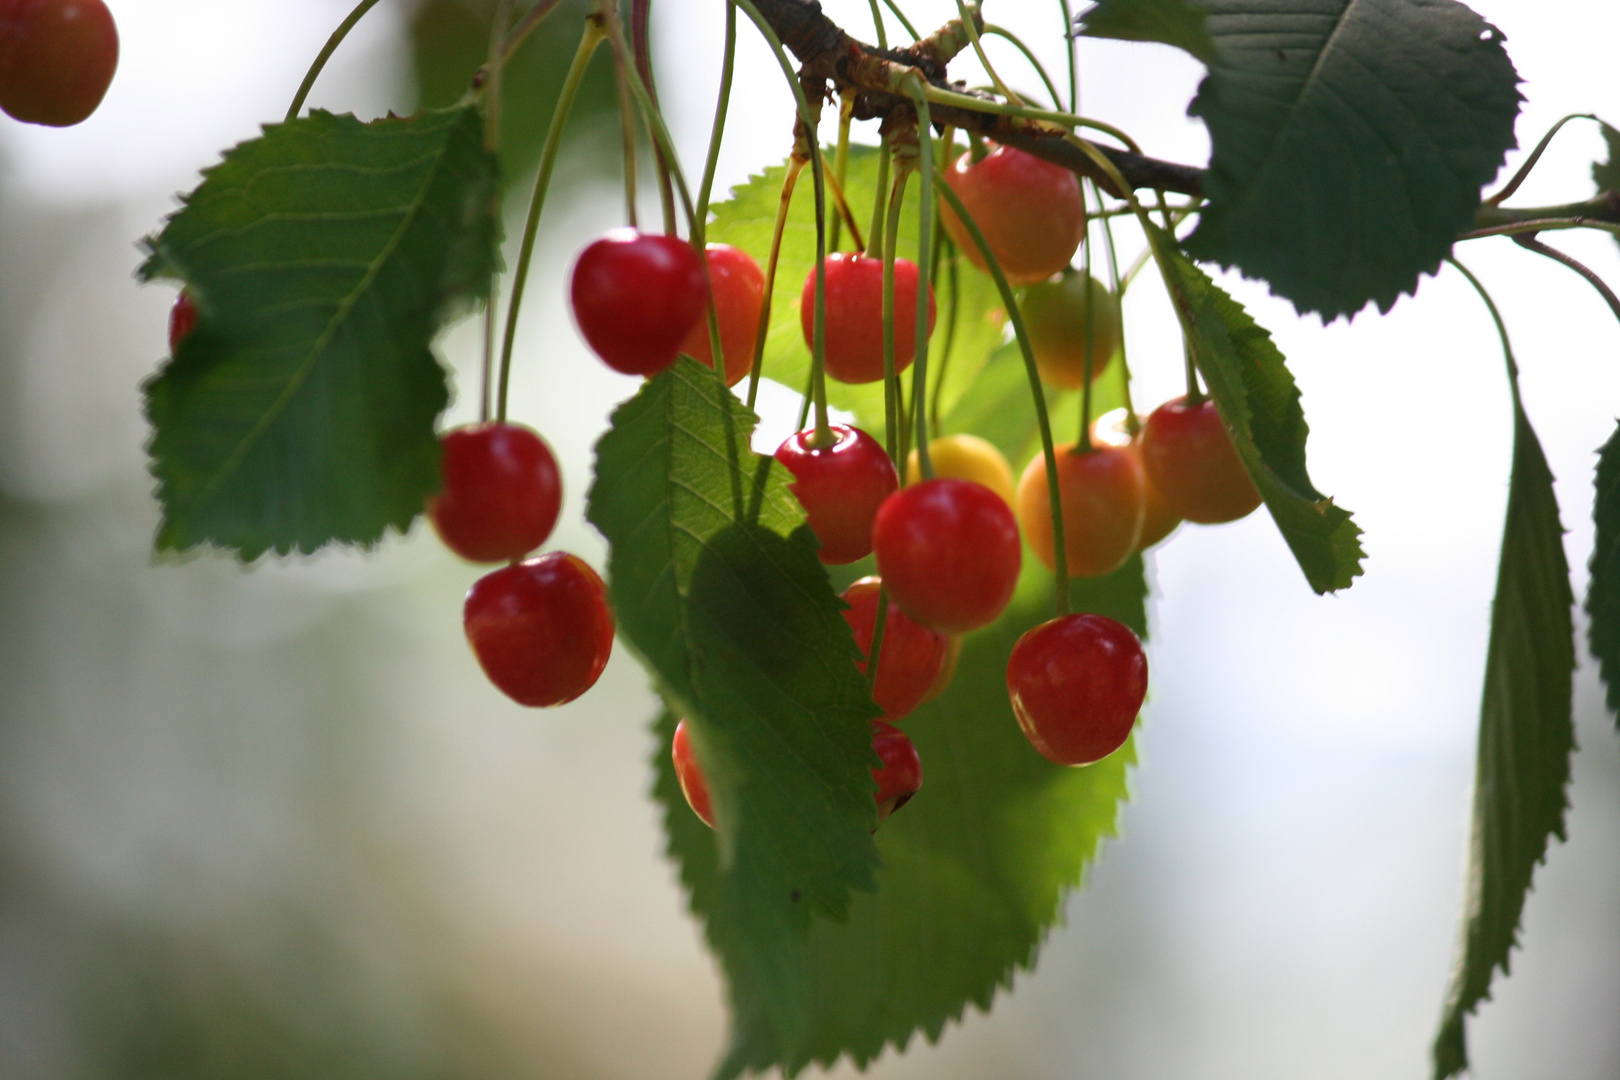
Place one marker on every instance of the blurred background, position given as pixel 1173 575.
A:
pixel 273 822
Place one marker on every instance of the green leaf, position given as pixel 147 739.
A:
pixel 1526 736
pixel 746 221
pixel 975 868
pixel 1606 174
pixel 718 590
pixel 1603 593
pixel 1349 141
pixel 1256 396
pixel 1171 22
pixel 323 258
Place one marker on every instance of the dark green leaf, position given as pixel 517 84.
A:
pixel 1606 174
pixel 975 868
pixel 717 588
pixel 1257 398
pixel 1172 22
pixel 1525 737
pixel 1349 140
pixel 323 258
pixel 1603 594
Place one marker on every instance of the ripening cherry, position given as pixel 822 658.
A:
pixel 1103 507
pixel 693 786
pixel 900 775
pixel 966 457
pixel 840 487
pixel 1030 211
pixel 854 326
pixel 1190 459
pixel 1077 684
pixel 949 552
pixel 182 320
pixel 57 58
pixel 541 629
pixel 1158 520
pixel 501 492
pixel 738 285
pixel 1060 316
pixel 635 298
pixel 912 657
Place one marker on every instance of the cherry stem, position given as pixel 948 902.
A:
pixel 533 19
pixel 970 23
pixel 893 425
pixel 844 215
pixel 654 119
pixel 495 65
pixel 700 219
pixel 925 262
pixel 588 41
pixel 1068 44
pixel 1132 423
pixel 877 25
pixel 627 127
pixel 1535 156
pixel 789 180
pixel 1530 243
pixel 325 54
pixel 1034 62
pixel 874 655
pixel 663 153
pixel 846 113
pixel 1501 327
pixel 880 203
pixel 905 22
pixel 940 96
pixel 1021 333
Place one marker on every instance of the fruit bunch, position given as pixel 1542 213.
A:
pixel 57 59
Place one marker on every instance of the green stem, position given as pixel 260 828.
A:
pixel 1530 243
pixel 905 22
pixel 535 16
pixel 663 143
pixel 877 25
pixel 325 54
pixel 495 65
pixel 874 655
pixel 1068 48
pixel 925 262
pixel 892 434
pixel 727 69
pixel 971 25
pixel 1034 61
pixel 1530 163
pixel 953 293
pixel 627 132
pixel 880 203
pixel 1501 327
pixel 940 96
pixel 789 181
pixel 1083 444
pixel 846 113
pixel 1118 291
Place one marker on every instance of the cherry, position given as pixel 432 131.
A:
pixel 541 629
pixel 912 657
pixel 1158 520
pixel 966 457
pixel 501 492
pixel 1077 683
pixel 900 775
pixel 1059 316
pixel 1030 211
pixel 1190 459
pixel 840 487
pixel 949 552
pixel 636 296
pixel 1103 505
pixel 693 786
pixel 57 59
pixel 738 286
pixel 953 656
pixel 854 327
pixel 182 320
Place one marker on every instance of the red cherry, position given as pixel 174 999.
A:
pixel 1190 459
pixel 182 320
pixel 57 59
pixel 693 786
pixel 900 775
pixel 1077 683
pixel 501 492
pixel 854 328
pixel 738 285
pixel 1158 520
pixel 1059 316
pixel 541 629
pixel 1103 500
pixel 949 552
pixel 840 487
pixel 636 296
pixel 912 657
pixel 1029 210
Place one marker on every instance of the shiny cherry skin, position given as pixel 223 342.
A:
pixel 1030 211
pixel 966 457
pixel 1077 684
pixel 1158 520
pixel 1059 316
pixel 738 285
pixel 693 786
pixel 541 629
pixel 900 775
pixel 1190 459
pixel 949 552
pixel 912 656
pixel 1103 507
pixel 840 487
pixel 854 328
pixel 57 58
pixel 635 298
pixel 182 320
pixel 501 492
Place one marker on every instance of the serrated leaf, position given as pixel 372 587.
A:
pixel 718 590
pixel 1249 380
pixel 323 258
pixel 975 868
pixel 746 220
pixel 1526 735
pixel 1349 142
pixel 1603 592
pixel 1170 22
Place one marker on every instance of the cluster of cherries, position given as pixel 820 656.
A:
pixel 57 59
